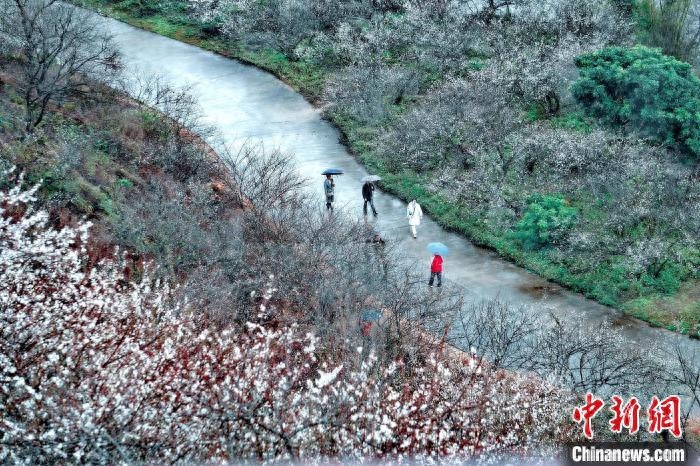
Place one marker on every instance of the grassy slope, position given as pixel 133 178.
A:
pixel 93 156
pixel 86 186
pixel 680 312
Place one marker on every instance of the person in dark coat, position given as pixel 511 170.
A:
pixel 368 196
pixel 436 270
pixel 329 189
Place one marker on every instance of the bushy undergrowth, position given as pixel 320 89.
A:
pixel 97 368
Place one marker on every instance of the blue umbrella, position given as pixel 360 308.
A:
pixel 332 171
pixel 371 315
pixel 438 248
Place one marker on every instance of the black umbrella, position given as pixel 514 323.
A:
pixel 332 171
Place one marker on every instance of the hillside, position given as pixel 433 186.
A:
pixel 182 345
pixel 165 303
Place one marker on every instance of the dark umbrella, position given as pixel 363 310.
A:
pixel 332 171
pixel 438 248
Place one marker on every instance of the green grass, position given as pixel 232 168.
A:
pixel 680 312
pixel 575 121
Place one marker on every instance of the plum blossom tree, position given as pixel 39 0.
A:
pixel 281 24
pixel 532 56
pixel 98 369
pixel 366 94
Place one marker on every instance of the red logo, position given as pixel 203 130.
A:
pixel 662 415
pixel 587 412
pixel 626 416
pixel 665 415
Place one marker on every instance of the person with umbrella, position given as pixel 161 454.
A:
pixel 329 186
pixel 368 193
pixel 438 250
pixel 414 214
pixel 329 189
pixel 367 318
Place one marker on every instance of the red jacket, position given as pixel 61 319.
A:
pixel 436 265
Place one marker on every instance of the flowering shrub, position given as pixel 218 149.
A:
pixel 96 369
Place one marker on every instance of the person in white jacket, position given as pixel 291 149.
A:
pixel 414 214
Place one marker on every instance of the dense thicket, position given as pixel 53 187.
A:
pixel 97 366
pixel 672 25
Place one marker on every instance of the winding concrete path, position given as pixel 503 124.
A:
pixel 245 103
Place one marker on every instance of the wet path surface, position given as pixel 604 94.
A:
pixel 246 104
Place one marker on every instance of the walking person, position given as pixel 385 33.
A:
pixel 414 214
pixel 436 270
pixel 329 189
pixel 368 196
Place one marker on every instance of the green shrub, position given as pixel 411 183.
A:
pixel 124 183
pixel 574 121
pixel 666 280
pixel 545 221
pixel 655 94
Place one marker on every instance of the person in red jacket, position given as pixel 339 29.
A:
pixel 436 270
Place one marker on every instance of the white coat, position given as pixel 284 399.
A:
pixel 414 213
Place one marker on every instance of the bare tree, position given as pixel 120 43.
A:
pixel 60 45
pixel 589 358
pixel 172 117
pixel 263 180
pixel 498 332
pixel 682 372
pixel 178 103
pixel 579 356
pixel 366 94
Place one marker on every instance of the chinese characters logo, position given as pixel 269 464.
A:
pixel 661 415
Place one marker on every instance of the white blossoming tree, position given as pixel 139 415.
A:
pixel 97 369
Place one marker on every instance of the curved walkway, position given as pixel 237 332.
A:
pixel 246 103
